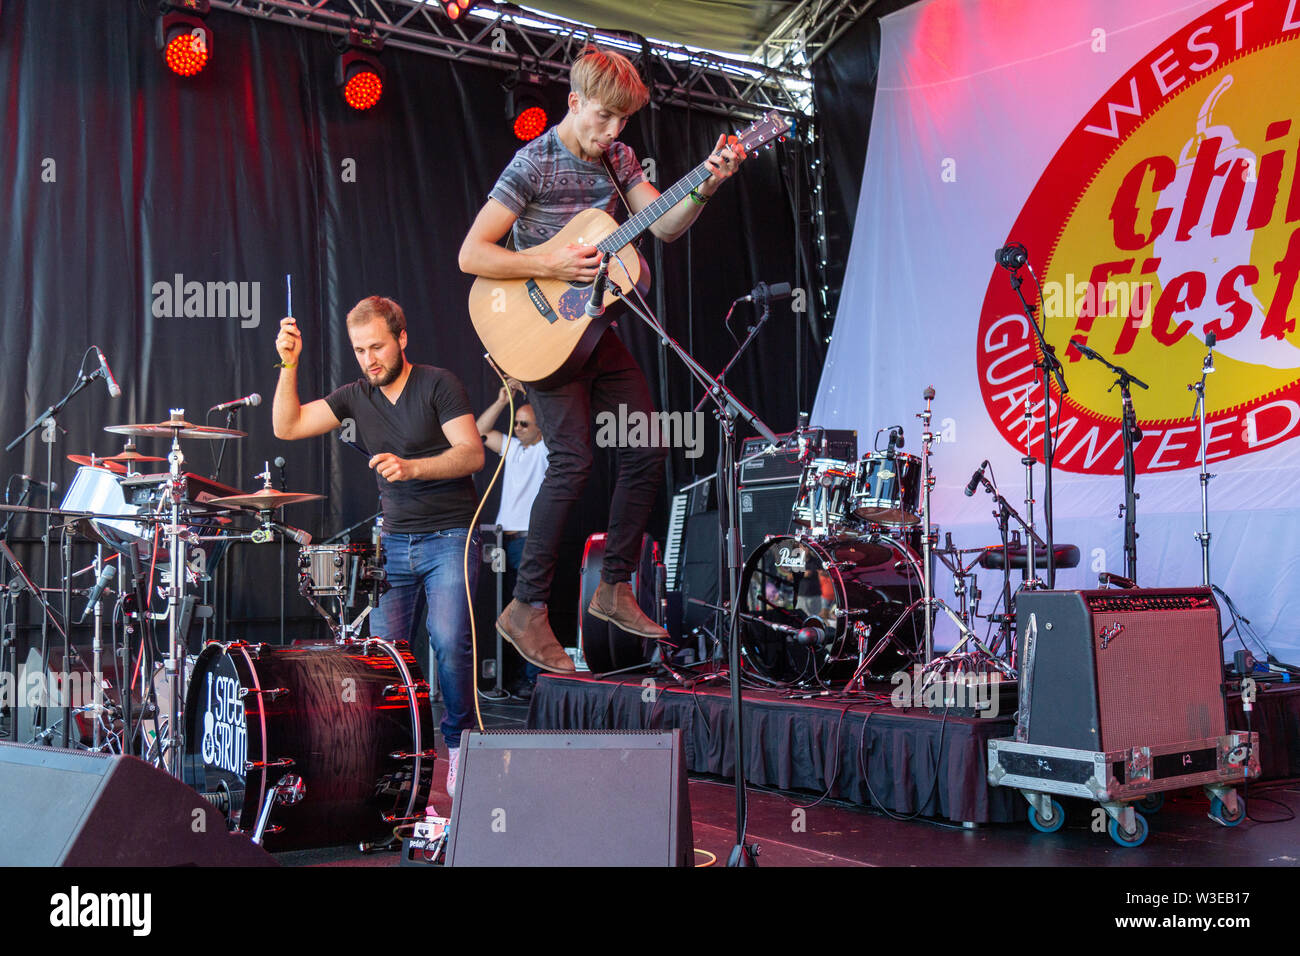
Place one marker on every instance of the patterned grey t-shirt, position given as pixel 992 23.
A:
pixel 545 186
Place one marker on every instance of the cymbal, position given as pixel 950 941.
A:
pixel 175 427
pixel 114 463
pixel 94 461
pixel 265 500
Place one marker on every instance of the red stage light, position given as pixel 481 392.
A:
pixel 363 90
pixel 455 9
pixel 531 123
pixel 361 78
pixel 186 43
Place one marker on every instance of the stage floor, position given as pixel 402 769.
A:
pixel 837 833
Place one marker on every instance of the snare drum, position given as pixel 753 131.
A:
pixel 886 489
pixel 338 570
pixel 351 719
pixel 822 503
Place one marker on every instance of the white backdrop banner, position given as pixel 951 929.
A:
pixel 1146 156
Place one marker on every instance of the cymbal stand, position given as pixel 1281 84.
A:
pixel 1007 619
pixel 1203 536
pixel 174 492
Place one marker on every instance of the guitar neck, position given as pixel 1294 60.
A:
pixel 648 216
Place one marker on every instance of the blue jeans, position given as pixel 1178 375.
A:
pixel 426 575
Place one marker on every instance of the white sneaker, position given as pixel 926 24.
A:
pixel 453 762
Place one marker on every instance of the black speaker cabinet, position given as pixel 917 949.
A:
pixel 1112 669
pixel 70 808
pixel 764 510
pixel 571 798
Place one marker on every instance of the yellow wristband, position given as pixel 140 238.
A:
pixel 699 198
pixel 284 365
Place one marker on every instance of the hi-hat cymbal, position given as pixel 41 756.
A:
pixel 175 427
pixel 267 499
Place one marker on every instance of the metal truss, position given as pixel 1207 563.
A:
pixel 509 37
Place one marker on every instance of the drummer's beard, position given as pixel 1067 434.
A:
pixel 387 376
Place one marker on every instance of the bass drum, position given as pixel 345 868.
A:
pixel 805 605
pixel 351 719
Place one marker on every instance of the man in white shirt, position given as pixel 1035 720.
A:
pixel 525 453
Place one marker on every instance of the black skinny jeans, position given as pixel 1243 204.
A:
pixel 610 378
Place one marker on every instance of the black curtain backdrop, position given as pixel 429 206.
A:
pixel 118 177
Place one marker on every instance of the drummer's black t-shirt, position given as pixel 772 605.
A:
pixel 412 428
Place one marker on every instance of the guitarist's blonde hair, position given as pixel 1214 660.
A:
pixel 609 78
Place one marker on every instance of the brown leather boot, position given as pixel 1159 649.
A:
pixel 527 628
pixel 617 604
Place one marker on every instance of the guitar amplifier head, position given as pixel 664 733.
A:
pixel 783 464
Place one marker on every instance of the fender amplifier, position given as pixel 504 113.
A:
pixel 1112 669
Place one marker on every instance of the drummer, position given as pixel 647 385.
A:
pixel 417 422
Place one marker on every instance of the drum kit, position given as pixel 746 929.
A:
pixel 848 596
pixel 333 739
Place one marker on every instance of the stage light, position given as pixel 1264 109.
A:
pixel 184 39
pixel 361 78
pixel 456 9
pixel 526 106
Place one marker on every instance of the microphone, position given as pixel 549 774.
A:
pixel 1210 339
pixel 279 463
pixel 295 534
pixel 895 440
pixel 976 478
pixel 48 487
pixel 768 293
pixel 252 401
pixel 1083 349
pixel 810 635
pixel 106 575
pixel 596 304
pixel 1011 256
pixel 114 390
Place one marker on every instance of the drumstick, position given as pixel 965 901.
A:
pixel 288 294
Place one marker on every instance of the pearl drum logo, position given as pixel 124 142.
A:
pixel 1171 211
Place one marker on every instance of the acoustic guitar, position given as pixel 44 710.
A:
pixel 538 330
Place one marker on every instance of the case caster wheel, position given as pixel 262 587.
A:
pixel 1126 839
pixel 1151 803
pixel 1055 820
pixel 1220 815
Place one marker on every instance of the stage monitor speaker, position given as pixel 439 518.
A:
pixel 571 798
pixel 72 808
pixel 764 510
pixel 1112 669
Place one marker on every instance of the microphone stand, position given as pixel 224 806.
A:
pixel 1131 435
pixel 50 414
pixel 1203 536
pixel 729 409
pixel 765 312
pixel 1048 366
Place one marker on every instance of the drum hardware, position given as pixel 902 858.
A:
pixel 338 572
pixel 1132 434
pixel 287 791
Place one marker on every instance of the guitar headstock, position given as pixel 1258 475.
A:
pixel 771 125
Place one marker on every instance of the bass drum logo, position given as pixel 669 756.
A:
pixel 1170 212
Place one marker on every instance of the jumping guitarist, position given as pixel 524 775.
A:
pixel 550 181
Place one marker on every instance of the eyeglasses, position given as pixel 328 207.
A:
pixel 520 423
